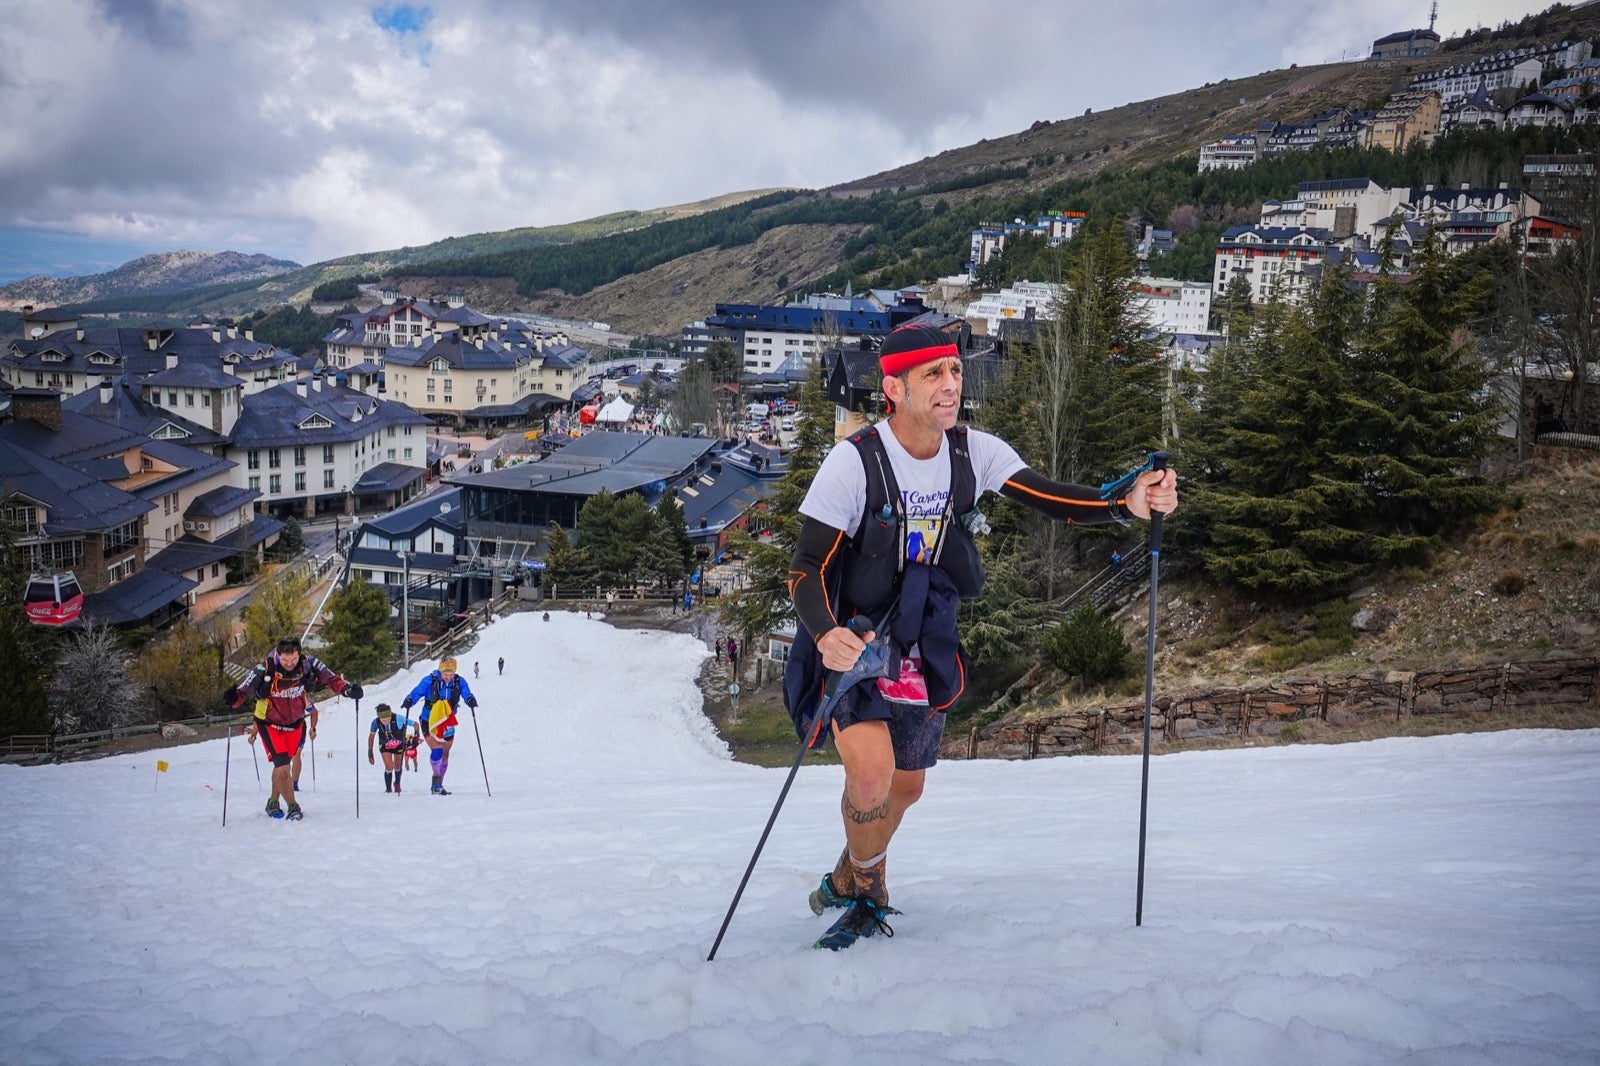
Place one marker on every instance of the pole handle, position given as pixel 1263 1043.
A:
pixel 1158 461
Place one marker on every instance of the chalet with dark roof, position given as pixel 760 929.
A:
pixel 310 447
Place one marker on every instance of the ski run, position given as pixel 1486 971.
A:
pixel 1399 901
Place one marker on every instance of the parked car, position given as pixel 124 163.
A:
pixel 787 423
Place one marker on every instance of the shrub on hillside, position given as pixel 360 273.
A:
pixel 1510 582
pixel 1090 647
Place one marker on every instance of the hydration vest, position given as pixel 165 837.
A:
pixel 450 693
pixel 875 558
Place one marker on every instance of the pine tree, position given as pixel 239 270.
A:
pixel 1425 409
pixel 669 555
pixel 25 655
pixel 567 569
pixel 1289 516
pixel 1085 402
pixel 613 533
pixel 356 636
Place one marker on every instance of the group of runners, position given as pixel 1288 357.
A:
pixel 285 719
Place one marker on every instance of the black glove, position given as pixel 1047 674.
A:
pixel 473 704
pixel 230 695
pixel 355 692
pixel 405 704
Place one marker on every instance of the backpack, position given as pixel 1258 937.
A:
pixel 871 575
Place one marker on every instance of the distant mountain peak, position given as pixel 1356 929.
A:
pixel 158 273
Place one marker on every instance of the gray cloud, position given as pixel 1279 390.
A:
pixel 188 123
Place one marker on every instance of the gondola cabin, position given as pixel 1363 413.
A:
pixel 53 599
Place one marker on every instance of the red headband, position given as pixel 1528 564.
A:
pixel 893 363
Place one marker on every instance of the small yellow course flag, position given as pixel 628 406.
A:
pixel 161 766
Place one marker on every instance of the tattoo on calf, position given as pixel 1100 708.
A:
pixel 861 817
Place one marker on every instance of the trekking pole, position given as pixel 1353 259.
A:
pixel 254 758
pixel 311 747
pixel 832 689
pixel 358 759
pixel 227 764
pixel 479 738
pixel 1158 461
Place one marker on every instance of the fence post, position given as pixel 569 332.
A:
pixel 972 743
pixel 1244 716
pixel 1322 702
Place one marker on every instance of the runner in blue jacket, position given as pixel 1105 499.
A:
pixel 438 726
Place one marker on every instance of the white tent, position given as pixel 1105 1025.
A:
pixel 618 410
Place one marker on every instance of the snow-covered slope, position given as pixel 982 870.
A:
pixel 1412 900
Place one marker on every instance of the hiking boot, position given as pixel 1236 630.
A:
pixel 295 815
pixel 273 810
pixel 864 918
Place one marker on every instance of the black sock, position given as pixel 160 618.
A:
pixel 388 781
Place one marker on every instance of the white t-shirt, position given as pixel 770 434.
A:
pixel 838 494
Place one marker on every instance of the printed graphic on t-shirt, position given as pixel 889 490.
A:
pixel 924 516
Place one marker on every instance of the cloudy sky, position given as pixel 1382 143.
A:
pixel 309 129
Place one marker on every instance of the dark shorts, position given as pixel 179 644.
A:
pixel 913 730
pixel 280 744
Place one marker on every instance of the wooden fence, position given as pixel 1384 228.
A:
pixel 1265 710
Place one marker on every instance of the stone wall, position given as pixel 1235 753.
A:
pixel 1264 710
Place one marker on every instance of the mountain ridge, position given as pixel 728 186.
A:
pixel 1032 161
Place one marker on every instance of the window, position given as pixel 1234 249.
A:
pixel 300 481
pixel 188 397
pixel 255 483
pixel 21 517
pixel 327 479
pixel 274 458
pixel 408 453
pixel 122 538
pixel 214 569
pixel 275 484
pixel 253 459
pixel 172 398
pixel 299 455
pixel 327 453
pixel 205 399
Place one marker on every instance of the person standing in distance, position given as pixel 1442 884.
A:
pixel 502 664
pixel 441 693
pixel 282 684
pixel 885 534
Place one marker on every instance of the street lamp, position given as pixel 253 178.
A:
pixel 405 608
